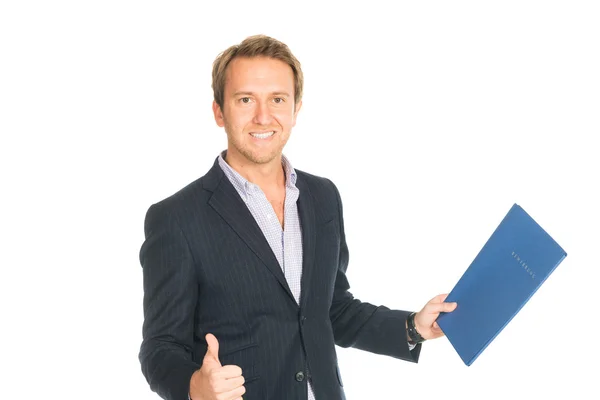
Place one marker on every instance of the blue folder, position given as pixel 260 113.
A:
pixel 512 265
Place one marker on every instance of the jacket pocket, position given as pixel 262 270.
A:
pixel 245 357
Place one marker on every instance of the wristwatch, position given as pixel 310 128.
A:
pixel 414 336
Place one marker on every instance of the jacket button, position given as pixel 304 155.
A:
pixel 300 376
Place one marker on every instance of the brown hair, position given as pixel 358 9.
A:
pixel 255 46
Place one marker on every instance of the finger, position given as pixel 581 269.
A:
pixel 229 372
pixel 440 307
pixel 436 326
pixel 227 385
pixel 232 384
pixel 213 348
pixel 440 298
pixel 233 394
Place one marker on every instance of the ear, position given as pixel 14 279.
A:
pixel 297 109
pixel 218 114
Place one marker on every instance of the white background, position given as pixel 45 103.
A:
pixel 432 118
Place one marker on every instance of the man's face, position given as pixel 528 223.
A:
pixel 258 108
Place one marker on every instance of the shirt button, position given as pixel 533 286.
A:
pixel 300 376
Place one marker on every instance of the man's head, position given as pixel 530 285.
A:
pixel 251 47
pixel 257 95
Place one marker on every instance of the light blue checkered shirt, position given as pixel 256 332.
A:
pixel 286 242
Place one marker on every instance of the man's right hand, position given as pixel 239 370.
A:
pixel 214 381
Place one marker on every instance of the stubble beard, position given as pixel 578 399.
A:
pixel 252 156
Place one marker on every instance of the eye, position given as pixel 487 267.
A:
pixel 278 100
pixel 245 100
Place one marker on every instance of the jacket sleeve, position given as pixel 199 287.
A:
pixel 362 325
pixel 170 296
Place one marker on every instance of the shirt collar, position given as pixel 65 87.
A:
pixel 243 186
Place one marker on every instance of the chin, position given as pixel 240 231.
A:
pixel 261 158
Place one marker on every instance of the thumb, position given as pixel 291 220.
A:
pixel 212 353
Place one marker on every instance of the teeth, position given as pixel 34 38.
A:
pixel 263 135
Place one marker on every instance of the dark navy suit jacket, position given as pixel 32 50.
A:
pixel 207 268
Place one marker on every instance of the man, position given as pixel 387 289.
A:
pixel 245 287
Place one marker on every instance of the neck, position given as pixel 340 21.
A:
pixel 267 175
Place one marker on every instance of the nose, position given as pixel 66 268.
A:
pixel 262 115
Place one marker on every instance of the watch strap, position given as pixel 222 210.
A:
pixel 413 335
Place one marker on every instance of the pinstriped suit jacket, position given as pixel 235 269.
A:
pixel 207 268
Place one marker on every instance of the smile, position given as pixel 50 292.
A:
pixel 263 135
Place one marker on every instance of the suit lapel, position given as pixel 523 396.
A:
pixel 306 211
pixel 227 203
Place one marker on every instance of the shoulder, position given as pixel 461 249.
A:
pixel 181 204
pixel 324 192
pixel 187 194
pixel 318 185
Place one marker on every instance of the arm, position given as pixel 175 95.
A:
pixel 170 295
pixel 362 325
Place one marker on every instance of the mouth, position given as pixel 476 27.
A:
pixel 262 135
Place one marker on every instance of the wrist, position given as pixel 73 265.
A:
pixel 414 337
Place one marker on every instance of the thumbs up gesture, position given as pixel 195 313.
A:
pixel 214 381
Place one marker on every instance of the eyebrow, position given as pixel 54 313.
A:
pixel 272 93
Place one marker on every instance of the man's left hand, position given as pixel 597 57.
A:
pixel 425 319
